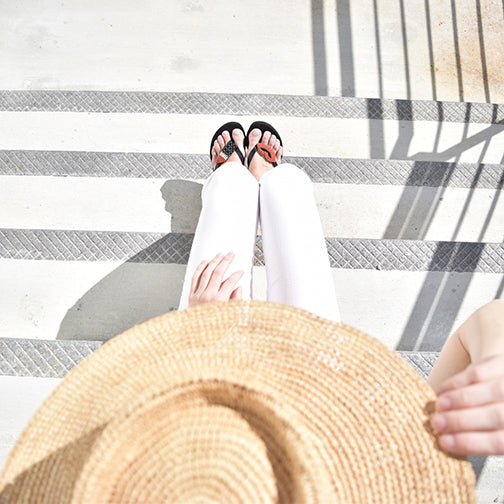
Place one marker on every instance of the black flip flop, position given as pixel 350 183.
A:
pixel 230 147
pixel 267 153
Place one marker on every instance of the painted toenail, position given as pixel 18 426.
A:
pixel 256 132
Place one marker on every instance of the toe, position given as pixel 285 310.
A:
pixel 238 137
pixel 226 137
pixel 254 137
pixel 272 141
pixel 266 137
pixel 279 153
pixel 221 142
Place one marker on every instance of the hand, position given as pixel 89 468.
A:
pixel 470 410
pixel 207 284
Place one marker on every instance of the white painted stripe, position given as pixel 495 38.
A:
pixel 107 204
pixel 21 397
pixel 96 301
pixel 155 205
pixel 79 300
pixel 362 211
pixel 191 134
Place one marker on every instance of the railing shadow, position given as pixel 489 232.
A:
pixel 442 294
pixel 319 48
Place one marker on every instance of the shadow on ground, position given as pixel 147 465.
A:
pixel 139 289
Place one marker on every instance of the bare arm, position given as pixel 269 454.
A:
pixel 469 380
pixel 479 337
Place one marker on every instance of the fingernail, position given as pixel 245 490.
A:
pixel 439 423
pixel 447 441
pixel 443 403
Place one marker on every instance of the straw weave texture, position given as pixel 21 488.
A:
pixel 236 402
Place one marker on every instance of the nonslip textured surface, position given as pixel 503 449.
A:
pixel 393 108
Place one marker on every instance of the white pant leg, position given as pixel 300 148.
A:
pixel 297 265
pixel 227 223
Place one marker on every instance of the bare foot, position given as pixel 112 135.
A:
pixel 259 166
pixel 222 140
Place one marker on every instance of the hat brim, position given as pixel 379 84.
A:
pixel 264 399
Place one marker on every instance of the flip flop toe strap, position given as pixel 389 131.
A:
pixel 265 151
pixel 226 152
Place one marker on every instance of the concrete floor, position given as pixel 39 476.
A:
pixel 375 49
pixel 449 51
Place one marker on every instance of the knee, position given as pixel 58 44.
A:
pixel 287 175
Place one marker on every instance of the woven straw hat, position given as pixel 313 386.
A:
pixel 236 402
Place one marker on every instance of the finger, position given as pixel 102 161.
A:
pixel 218 273
pixel 472 395
pixel 196 275
pixel 208 272
pixel 229 285
pixel 490 417
pixel 488 369
pixel 473 443
pixel 237 294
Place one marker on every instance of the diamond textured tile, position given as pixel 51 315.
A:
pixel 194 166
pixel 41 358
pixel 55 358
pixel 413 255
pixel 401 255
pixel 73 245
pixel 249 104
pixel 104 164
pixel 422 362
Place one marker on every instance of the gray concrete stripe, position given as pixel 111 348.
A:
pixel 249 104
pixel 42 358
pixel 423 362
pixel 399 255
pixel 197 166
pixel 55 358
